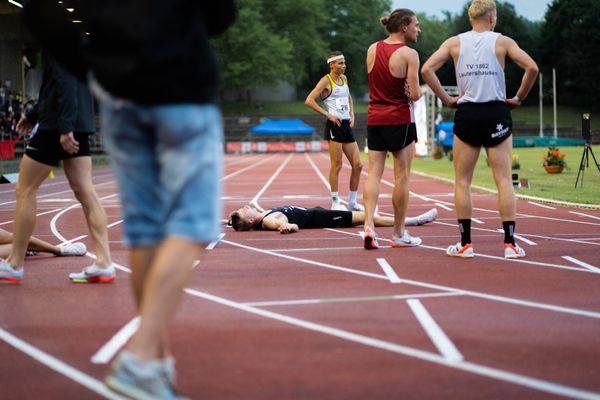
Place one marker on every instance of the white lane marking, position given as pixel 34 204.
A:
pixel 214 243
pixel 37 215
pixel 249 167
pixel 195 264
pixel 114 224
pixel 541 205
pixel 254 201
pixel 119 339
pixel 477 221
pixel 389 271
pixel 521 238
pixel 445 207
pixel 347 299
pixel 478 369
pixel 584 215
pixel 444 345
pixel 502 299
pixel 43 196
pixel 583 264
pixel 59 366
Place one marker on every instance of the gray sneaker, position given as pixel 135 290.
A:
pixel 140 380
pixel 427 217
pixel 73 249
pixel 10 274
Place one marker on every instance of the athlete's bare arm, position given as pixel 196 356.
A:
pixel 320 91
pixel 277 221
pixel 524 61
pixel 411 58
pixel 448 49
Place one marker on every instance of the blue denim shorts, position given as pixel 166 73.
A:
pixel 168 162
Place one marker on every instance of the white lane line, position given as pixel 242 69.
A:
pixel 254 201
pixel 389 271
pixel 445 207
pixel 114 223
pixel 477 221
pixel 249 167
pixel 37 215
pixel 43 196
pixel 502 299
pixel 584 215
pixel 59 366
pixel 478 369
pixel 348 299
pixel 541 205
pixel 214 243
pixel 112 347
pixel 521 238
pixel 583 264
pixel 444 345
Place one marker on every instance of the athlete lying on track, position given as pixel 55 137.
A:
pixel 290 219
pixel 36 245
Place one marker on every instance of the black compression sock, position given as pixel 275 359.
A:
pixel 509 232
pixel 464 225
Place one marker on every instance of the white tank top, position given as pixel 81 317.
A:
pixel 338 101
pixel 479 75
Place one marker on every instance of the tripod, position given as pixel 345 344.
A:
pixel 585 162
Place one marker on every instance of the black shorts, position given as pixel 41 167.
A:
pixel 390 137
pixel 45 147
pixel 340 134
pixel 483 124
pixel 323 218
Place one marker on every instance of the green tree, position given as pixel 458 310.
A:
pixel 570 42
pixel 354 25
pixel 250 54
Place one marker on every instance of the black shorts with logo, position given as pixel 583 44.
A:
pixel 390 137
pixel 483 124
pixel 340 134
pixel 45 147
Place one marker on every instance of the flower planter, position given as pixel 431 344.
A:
pixel 554 169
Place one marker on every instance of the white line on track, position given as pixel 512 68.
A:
pixel 389 271
pixel 59 366
pixel 347 299
pixel 541 205
pixel 119 339
pixel 249 167
pixel 215 242
pixel 478 369
pixel 583 264
pixel 584 215
pixel 509 300
pixel 521 238
pixel 477 221
pixel 266 186
pixel 445 207
pixel 435 333
pixel 37 215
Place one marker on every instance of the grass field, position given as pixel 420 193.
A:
pixel 552 186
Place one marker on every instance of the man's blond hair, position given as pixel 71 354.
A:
pixel 480 8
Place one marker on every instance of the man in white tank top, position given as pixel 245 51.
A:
pixel 333 90
pixel 483 115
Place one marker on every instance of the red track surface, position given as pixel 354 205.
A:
pixel 313 315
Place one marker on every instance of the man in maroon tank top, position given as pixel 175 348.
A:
pixel 393 87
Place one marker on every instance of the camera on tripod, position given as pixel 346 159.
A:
pixel 586 133
pixel 586 129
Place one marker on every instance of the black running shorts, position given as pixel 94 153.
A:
pixel 391 137
pixel 45 147
pixel 323 218
pixel 483 124
pixel 340 134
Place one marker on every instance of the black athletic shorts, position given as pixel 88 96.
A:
pixel 390 137
pixel 318 217
pixel 483 124
pixel 45 147
pixel 340 134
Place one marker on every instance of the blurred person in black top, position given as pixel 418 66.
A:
pixel 151 65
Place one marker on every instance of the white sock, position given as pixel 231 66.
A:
pixel 352 198
pixel 335 197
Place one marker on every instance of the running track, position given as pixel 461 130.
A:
pixel 313 315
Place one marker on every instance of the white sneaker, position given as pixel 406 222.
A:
pixel 10 274
pixel 73 249
pixel 356 207
pixel 94 274
pixel 458 250
pixel 405 241
pixel 427 217
pixel 336 205
pixel 511 251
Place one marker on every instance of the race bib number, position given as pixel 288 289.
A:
pixel 342 105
